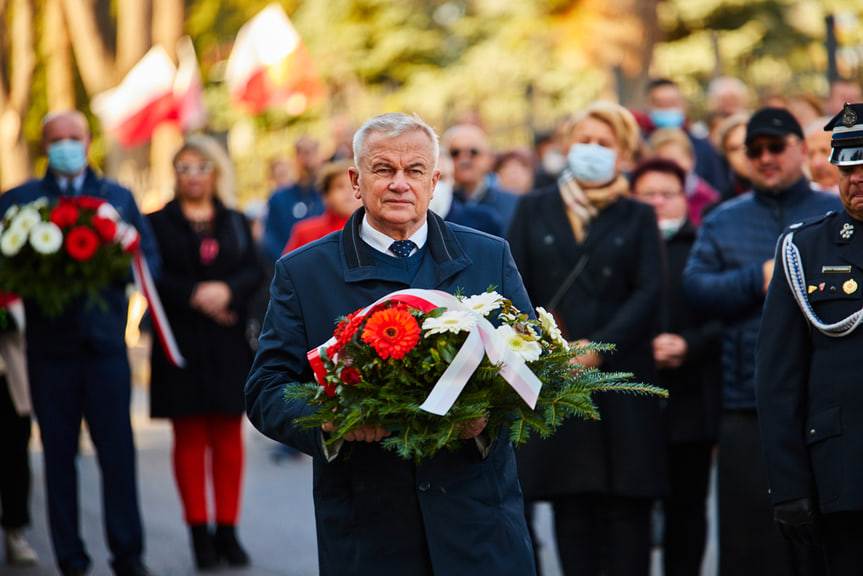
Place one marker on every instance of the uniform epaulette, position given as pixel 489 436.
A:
pixel 810 221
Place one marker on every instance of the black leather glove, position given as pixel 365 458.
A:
pixel 799 521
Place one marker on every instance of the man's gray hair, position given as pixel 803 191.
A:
pixel 393 125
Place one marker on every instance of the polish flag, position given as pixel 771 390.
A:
pixel 269 66
pixel 145 97
pixel 190 112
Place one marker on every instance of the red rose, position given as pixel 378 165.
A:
pixel 106 228
pixel 81 243
pixel 351 376
pixel 89 203
pixel 65 214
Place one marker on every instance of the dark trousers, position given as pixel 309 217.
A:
pixel 749 542
pixel 843 543
pixel 15 456
pixel 603 534
pixel 98 389
pixel 686 507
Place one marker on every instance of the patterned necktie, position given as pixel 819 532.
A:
pixel 402 248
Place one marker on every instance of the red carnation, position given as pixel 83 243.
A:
pixel 351 376
pixel 106 228
pixel 89 202
pixel 65 214
pixel 81 243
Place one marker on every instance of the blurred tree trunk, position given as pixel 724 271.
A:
pixel 57 56
pixel 15 84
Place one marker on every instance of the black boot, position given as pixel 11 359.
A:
pixel 228 547
pixel 203 546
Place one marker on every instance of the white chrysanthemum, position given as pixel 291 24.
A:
pixel 26 219
pixel 530 350
pixel 550 327
pixel 483 304
pixel 12 241
pixel 10 212
pixel 39 203
pixel 454 321
pixel 46 238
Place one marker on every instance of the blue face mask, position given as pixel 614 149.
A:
pixel 67 156
pixel 592 163
pixel 667 117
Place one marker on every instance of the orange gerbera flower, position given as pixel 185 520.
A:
pixel 392 333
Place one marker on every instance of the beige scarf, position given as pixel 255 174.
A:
pixel 582 206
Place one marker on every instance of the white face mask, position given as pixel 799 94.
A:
pixel 670 227
pixel 592 163
pixel 442 200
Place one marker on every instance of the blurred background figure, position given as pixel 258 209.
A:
pixel 842 90
pixel 287 206
pixel 727 96
pixel 824 175
pixel 445 205
pixel 673 144
pixel 337 194
pixel 806 108
pixel 730 138
pixel 549 158
pixel 210 272
pixel 514 170
pixel 15 426
pixel 592 255
pixel 667 108
pixel 342 131
pixel 470 151
pixel 686 352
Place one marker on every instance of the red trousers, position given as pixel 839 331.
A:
pixel 220 438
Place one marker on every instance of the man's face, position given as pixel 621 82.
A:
pixel 851 190
pixel 395 180
pixel 818 147
pixel 471 156
pixel 776 162
pixel 665 96
pixel 65 127
pixel 664 192
pixel 308 158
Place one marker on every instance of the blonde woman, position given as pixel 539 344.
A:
pixel 209 273
pixel 594 256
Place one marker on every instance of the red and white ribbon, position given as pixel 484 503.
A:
pixel 482 340
pixel 144 282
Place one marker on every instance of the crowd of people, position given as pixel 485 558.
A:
pixel 645 229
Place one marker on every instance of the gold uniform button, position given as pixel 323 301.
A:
pixel 850 286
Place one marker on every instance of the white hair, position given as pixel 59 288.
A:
pixel 393 124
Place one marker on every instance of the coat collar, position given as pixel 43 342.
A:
pixel 847 234
pixel 90 184
pixel 446 252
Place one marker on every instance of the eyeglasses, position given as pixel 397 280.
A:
pixel 193 169
pixel 654 194
pixel 456 152
pixel 774 147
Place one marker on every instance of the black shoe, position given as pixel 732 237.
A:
pixel 203 547
pixel 228 547
pixel 132 570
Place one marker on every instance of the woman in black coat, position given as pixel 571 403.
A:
pixel 593 256
pixel 210 271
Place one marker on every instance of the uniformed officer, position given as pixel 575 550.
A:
pixel 809 374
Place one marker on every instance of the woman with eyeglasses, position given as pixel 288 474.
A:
pixel 592 255
pixel 210 271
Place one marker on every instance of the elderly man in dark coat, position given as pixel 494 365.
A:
pixel 459 512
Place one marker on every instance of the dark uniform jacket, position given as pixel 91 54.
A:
pixel 217 357
pixel 614 300
pixel 454 514
pixel 810 397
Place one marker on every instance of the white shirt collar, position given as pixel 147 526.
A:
pixel 381 242
pixel 76 183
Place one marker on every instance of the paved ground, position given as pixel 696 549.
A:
pixel 277 524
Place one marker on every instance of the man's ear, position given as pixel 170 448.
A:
pixel 355 182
